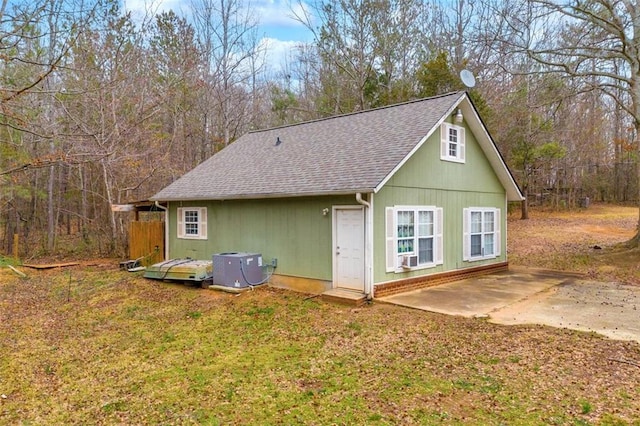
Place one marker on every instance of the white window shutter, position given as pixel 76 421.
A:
pixel 466 239
pixel 203 222
pixel 180 215
pixel 461 144
pixel 444 141
pixel 439 257
pixel 390 233
pixel 497 238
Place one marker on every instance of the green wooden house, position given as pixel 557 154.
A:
pixel 374 202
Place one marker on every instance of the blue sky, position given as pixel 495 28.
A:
pixel 278 29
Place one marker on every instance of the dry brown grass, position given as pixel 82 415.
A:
pixel 590 241
pixel 93 345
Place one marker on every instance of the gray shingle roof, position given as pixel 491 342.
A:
pixel 339 155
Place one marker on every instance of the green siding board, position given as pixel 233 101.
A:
pixel 293 230
pixel 426 180
pixel 425 169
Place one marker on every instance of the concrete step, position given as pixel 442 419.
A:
pixel 344 296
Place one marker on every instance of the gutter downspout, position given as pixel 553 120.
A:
pixel 368 230
pixel 166 229
pixel 361 201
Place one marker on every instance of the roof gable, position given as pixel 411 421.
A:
pixel 339 155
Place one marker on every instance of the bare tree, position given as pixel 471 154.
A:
pixel 35 39
pixel 596 43
pixel 176 60
pixel 227 32
pixel 349 43
pixel 112 109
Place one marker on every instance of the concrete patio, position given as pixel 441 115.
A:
pixel 534 296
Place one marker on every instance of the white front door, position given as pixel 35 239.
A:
pixel 349 253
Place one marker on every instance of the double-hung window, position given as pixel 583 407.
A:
pixel 414 237
pixel 452 143
pixel 481 229
pixel 192 223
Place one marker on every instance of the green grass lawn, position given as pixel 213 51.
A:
pixel 100 346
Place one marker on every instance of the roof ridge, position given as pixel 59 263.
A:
pixel 348 114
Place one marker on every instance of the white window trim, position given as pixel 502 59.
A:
pixel 202 223
pixel 392 237
pixel 466 231
pixel 444 143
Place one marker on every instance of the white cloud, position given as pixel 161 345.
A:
pixel 273 15
pixel 278 53
pixel 151 7
pixel 280 13
pixel 282 32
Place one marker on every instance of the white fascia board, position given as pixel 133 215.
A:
pixel 268 196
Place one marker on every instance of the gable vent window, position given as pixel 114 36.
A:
pixel 414 237
pixel 481 230
pixel 192 223
pixel 452 143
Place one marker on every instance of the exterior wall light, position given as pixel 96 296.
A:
pixel 458 117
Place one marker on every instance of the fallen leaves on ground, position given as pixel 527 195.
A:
pixel 589 240
pixel 92 344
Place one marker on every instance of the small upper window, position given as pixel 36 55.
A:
pixel 192 222
pixel 452 143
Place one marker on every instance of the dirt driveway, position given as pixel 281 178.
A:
pixel 535 296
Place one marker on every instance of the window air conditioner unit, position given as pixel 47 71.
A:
pixel 410 261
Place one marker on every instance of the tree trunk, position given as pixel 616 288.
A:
pixel 51 231
pixel 109 198
pixel 635 241
pixel 524 205
pixel 84 204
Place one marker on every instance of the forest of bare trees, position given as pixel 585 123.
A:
pixel 101 107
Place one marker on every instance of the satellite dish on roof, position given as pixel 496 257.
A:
pixel 467 78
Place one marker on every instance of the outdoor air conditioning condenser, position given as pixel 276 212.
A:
pixel 237 270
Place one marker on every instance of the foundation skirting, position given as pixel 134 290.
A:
pixel 401 286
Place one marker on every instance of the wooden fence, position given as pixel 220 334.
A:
pixel 146 240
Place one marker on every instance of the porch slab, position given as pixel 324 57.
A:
pixel 344 296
